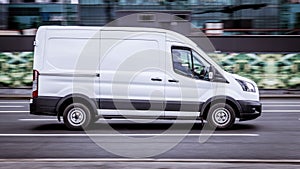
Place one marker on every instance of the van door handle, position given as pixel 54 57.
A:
pixel 173 81
pixel 156 79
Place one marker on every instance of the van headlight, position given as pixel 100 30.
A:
pixel 247 86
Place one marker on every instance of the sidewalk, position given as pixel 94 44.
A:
pixel 25 93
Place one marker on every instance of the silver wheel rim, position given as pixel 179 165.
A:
pixel 221 116
pixel 76 116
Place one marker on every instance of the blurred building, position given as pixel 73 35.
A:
pixel 290 14
pixel 245 16
pixel 24 14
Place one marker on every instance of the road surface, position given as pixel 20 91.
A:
pixel 273 137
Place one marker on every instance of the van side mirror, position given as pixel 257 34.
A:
pixel 211 73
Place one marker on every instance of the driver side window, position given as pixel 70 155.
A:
pixel 182 61
pixel 200 66
pixel 189 63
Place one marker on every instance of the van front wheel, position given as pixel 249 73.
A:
pixel 221 116
pixel 76 116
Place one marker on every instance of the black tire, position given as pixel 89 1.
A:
pixel 77 116
pixel 221 116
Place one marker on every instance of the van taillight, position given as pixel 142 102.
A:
pixel 35 84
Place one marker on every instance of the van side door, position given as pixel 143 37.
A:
pixel 187 83
pixel 132 73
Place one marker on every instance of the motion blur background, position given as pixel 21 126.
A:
pixel 258 39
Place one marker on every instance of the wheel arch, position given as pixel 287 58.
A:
pixel 221 99
pixel 67 100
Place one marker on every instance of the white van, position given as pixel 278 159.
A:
pixel 84 73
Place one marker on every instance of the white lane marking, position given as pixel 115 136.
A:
pixel 128 135
pixel 14 102
pixel 9 111
pixel 12 106
pixel 175 160
pixel 281 111
pixel 37 119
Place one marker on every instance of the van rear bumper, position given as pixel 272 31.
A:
pixel 249 110
pixel 44 105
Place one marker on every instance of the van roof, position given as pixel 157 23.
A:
pixel 137 29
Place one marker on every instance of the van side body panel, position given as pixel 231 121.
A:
pixel 132 70
pixel 128 72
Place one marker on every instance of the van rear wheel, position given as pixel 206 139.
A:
pixel 77 116
pixel 221 116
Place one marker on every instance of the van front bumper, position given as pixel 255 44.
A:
pixel 249 110
pixel 44 106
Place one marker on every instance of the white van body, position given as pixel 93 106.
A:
pixel 83 73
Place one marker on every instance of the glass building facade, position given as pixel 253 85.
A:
pixel 243 15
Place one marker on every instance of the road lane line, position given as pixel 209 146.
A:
pixel 128 135
pixel 166 160
pixel 10 111
pixel 37 119
pixel 13 106
pixel 281 111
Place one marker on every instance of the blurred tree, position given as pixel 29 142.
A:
pixel 230 9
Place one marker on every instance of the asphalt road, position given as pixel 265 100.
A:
pixel 273 136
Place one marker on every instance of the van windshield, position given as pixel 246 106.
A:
pixel 212 59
